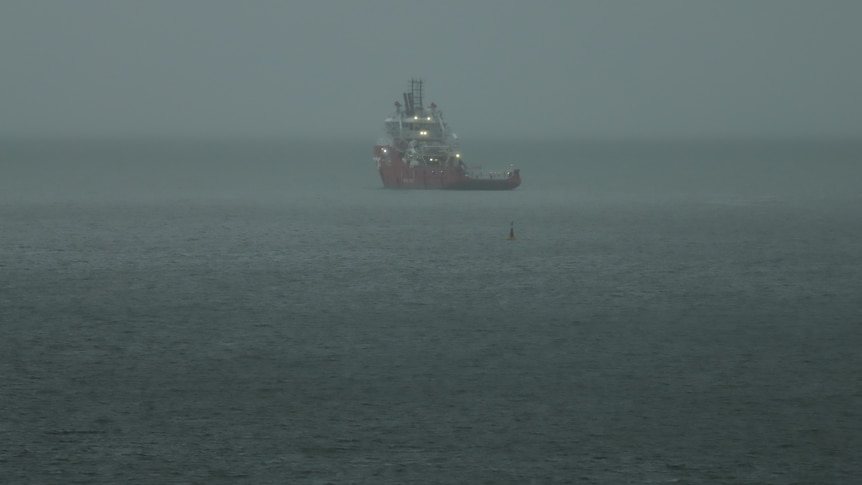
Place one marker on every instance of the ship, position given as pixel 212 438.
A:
pixel 420 151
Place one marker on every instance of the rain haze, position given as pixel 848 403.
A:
pixel 555 69
pixel 206 276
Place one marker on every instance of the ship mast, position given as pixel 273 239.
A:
pixel 413 103
pixel 416 92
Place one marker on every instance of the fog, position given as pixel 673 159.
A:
pixel 497 69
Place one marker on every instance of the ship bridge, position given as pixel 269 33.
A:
pixel 420 132
pixel 413 121
pixel 416 128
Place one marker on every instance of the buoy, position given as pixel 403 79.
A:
pixel 511 232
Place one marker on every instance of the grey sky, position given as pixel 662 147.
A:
pixel 556 68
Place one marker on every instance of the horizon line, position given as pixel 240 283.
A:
pixel 176 137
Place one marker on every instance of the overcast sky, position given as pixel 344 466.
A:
pixel 606 68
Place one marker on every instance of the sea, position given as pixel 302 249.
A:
pixel 214 311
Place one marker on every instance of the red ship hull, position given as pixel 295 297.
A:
pixel 396 174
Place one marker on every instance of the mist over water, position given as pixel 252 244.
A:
pixel 170 169
pixel 263 312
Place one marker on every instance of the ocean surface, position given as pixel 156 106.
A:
pixel 200 311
